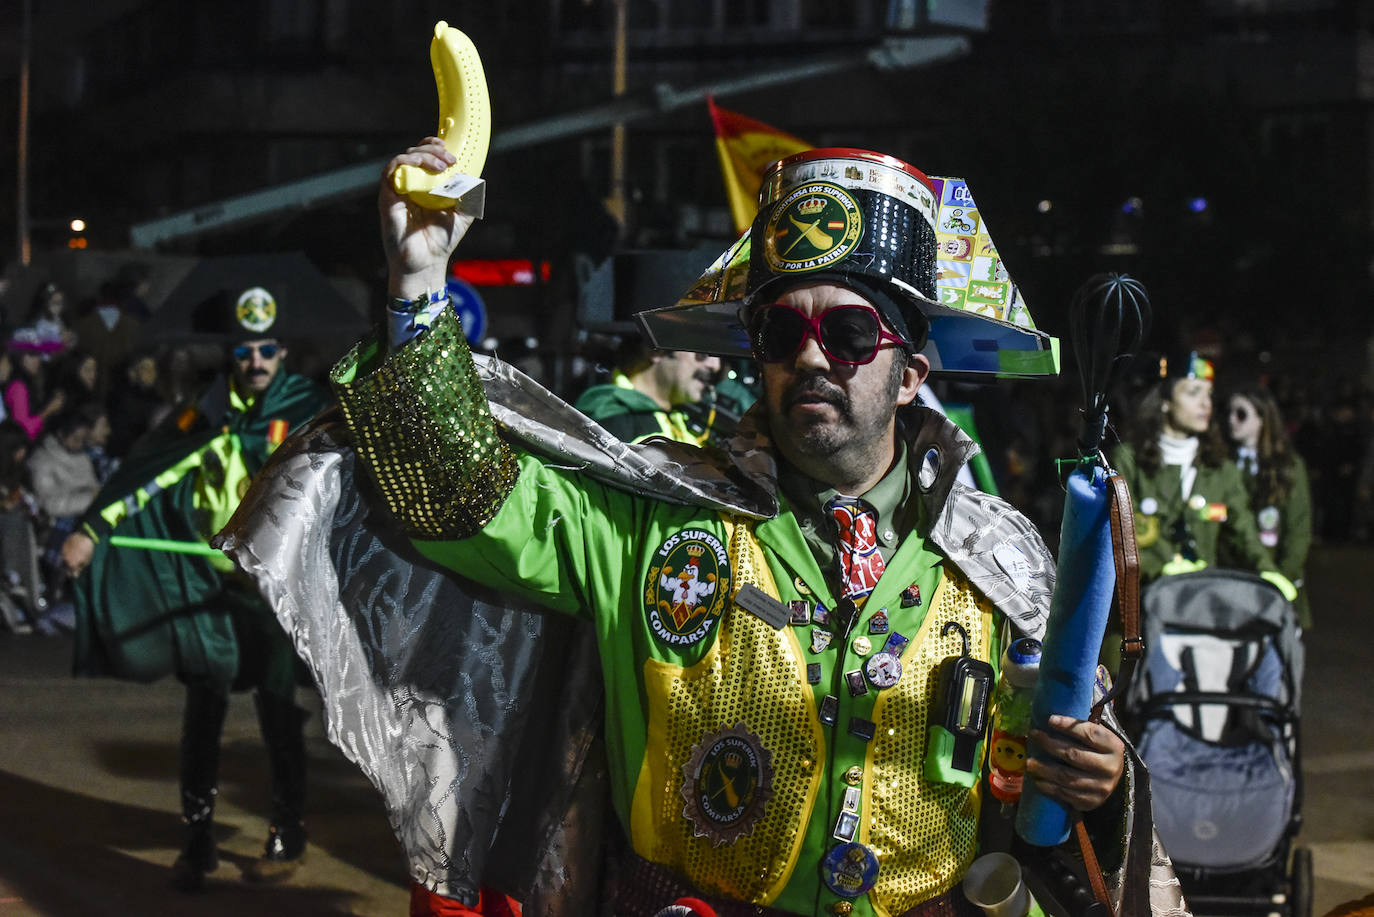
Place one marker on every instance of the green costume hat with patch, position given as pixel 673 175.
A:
pixel 915 246
pixel 233 316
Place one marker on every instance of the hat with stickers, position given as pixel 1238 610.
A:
pixel 913 245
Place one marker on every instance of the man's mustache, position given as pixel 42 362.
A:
pixel 817 387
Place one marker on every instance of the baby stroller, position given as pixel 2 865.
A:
pixel 1215 708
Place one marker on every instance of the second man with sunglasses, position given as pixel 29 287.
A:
pixel 146 613
pixel 772 617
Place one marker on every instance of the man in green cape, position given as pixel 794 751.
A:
pixel 176 607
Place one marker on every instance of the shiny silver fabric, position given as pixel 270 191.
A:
pixel 438 690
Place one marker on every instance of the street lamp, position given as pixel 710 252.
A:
pixel 76 239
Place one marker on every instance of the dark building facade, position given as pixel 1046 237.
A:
pixel 1219 149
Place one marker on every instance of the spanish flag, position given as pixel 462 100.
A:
pixel 746 147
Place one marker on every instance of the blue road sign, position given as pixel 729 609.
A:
pixel 470 308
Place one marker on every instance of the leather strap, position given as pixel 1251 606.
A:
pixel 1121 514
pixel 1091 865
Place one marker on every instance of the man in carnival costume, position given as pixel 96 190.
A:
pixel 771 617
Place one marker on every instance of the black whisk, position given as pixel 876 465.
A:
pixel 1109 318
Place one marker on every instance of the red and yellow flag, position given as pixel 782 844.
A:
pixel 746 147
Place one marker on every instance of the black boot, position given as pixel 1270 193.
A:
pixel 198 853
pixel 200 733
pixel 282 729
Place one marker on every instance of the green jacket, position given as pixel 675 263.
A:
pixel 1286 530
pixel 620 561
pixel 1217 517
pixel 630 414
pixel 722 768
pixel 141 614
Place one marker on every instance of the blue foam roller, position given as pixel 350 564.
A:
pixel 1078 620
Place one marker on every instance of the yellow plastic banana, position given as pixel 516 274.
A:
pixel 464 117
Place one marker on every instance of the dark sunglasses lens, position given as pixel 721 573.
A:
pixel 779 333
pixel 245 351
pixel 850 334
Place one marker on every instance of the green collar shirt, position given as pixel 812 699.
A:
pixel 898 513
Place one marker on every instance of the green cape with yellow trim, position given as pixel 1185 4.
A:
pixel 140 614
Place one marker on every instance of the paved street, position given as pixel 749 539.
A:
pixel 1338 726
pixel 89 823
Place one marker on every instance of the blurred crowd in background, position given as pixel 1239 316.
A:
pixel 79 384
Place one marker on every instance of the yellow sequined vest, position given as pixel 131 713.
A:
pixel 753 682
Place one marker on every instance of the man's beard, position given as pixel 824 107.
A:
pixel 826 439
pixel 818 438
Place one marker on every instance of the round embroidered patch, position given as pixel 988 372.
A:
pixel 256 310
pixel 813 227
pixel 688 583
pixel 727 781
pixel 1268 518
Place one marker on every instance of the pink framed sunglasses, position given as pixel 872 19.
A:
pixel 849 335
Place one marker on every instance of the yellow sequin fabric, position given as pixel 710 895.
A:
pixel 925 835
pixel 420 422
pixel 752 679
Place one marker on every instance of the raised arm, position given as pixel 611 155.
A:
pixel 419 414
pixel 418 242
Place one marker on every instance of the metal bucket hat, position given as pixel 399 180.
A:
pixel 914 245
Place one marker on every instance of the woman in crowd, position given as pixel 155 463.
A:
pixel 47 317
pixel 27 398
pixel 136 405
pixel 78 378
pixel 64 483
pixel 1275 477
pixel 22 591
pixel 1192 509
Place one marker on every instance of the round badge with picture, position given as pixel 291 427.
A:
pixel 686 588
pixel 883 670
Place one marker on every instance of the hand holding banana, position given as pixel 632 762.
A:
pixel 420 229
pixel 464 118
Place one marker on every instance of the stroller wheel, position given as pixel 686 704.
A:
pixel 1300 897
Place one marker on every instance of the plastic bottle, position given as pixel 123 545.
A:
pixel 1011 719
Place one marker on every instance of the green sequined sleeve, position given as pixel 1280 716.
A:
pixel 420 423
